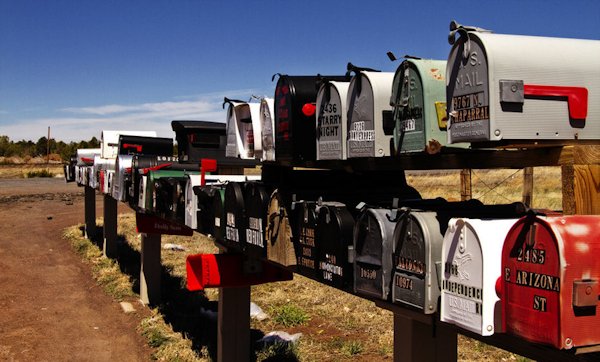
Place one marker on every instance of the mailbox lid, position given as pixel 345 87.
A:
pixel 417 258
pixel 331 123
pixel 471 264
pixel 373 239
pixel 109 141
pixel 256 200
pixel 368 97
pixel 542 61
pixel 419 101
pixel 266 117
pixel 550 280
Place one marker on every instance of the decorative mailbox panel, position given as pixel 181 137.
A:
pixel 333 236
pixel 373 253
pixel 417 254
pixel 236 221
pixel 243 129
pixel 256 199
pixel 191 202
pixel 304 238
pixel 368 104
pixel 551 280
pixel 109 141
pixel 419 101
pixel 471 265
pixel 266 117
pixel 331 120
pixel 513 87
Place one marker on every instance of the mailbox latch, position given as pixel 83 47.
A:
pixel 585 293
pixel 512 91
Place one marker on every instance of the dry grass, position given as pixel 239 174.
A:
pixel 21 170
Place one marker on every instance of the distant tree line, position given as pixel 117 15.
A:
pixel 24 148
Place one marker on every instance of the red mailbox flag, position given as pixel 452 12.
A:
pixel 206 165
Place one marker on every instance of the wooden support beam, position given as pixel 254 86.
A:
pixel 109 248
pixel 90 212
pixel 466 190
pixel 233 332
pixel 581 189
pixel 528 186
pixel 150 273
pixel 418 341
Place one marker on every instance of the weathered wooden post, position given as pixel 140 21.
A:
pixel 109 248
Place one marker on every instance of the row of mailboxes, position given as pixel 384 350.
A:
pixel 512 87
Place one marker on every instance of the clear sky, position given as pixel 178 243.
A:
pixel 81 66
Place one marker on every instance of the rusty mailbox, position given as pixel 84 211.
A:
pixel 331 120
pixel 243 129
pixel 471 264
pixel 419 101
pixel 370 116
pixel 333 237
pixel 515 88
pixel 550 280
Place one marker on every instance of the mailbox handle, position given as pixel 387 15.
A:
pixel 157 167
pixel 577 97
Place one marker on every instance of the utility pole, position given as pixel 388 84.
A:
pixel 48 148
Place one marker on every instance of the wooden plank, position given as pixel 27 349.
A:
pixel 581 189
pixel 233 332
pixel 417 341
pixel 528 186
pixel 150 273
pixel 90 212
pixel 109 248
pixel 466 190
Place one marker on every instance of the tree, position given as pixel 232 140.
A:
pixel 41 146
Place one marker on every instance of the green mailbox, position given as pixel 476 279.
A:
pixel 419 101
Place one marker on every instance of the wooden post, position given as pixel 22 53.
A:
pixel 418 341
pixel 581 189
pixel 233 332
pixel 90 212
pixel 150 273
pixel 109 248
pixel 528 186
pixel 466 192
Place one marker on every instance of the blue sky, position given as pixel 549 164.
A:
pixel 82 66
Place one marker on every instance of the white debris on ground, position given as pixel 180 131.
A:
pixel 279 337
pixel 257 313
pixel 174 247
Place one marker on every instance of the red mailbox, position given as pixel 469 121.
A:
pixel 550 280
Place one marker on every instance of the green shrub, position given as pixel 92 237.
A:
pixel 289 315
pixel 39 173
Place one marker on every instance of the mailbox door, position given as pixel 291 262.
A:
pixel 373 253
pixel 304 238
pixel 417 252
pixel 280 248
pixel 409 131
pixel 256 201
pixel 333 236
pixel 267 129
pixel 331 126
pixel 243 118
pixel 236 221
pixel 467 92
pixel 142 190
pixel 191 201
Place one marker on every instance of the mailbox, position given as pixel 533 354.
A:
pixel 266 117
pixel 236 221
pixel 513 87
pixel 191 201
pixel 551 280
pixel 157 197
pixel 85 159
pixel 107 172
pixel 205 212
pixel 243 129
pixel 419 101
pixel 331 120
pixel 122 177
pixel 140 164
pixel 370 116
pixel 69 169
pixel 256 200
pixel 295 119
pixel 169 189
pixel 280 248
pixel 140 145
pixel 304 238
pixel 333 236
pixel 373 247
pixel 109 141
pixel 198 139
pixel 471 264
pixel 218 208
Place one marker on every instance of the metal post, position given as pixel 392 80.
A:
pixel 90 212
pixel 150 273
pixel 233 333
pixel 418 341
pixel 109 248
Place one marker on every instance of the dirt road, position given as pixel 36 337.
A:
pixel 50 307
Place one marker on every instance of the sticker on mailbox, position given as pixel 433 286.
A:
pixel 468 93
pixel 361 125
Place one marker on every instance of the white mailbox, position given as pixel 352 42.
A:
pixel 331 120
pixel 368 103
pixel 109 141
pixel 243 129
pixel 122 173
pixel 512 87
pixel 471 264
pixel 191 202
pixel 85 161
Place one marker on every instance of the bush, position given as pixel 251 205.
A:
pixel 289 315
pixel 39 173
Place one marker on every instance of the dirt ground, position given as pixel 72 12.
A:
pixel 50 307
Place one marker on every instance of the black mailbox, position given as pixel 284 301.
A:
pixel 236 221
pixel 140 145
pixel 140 163
pixel 205 215
pixel 218 208
pixel 295 116
pixel 256 198
pixel 170 197
pixel 304 238
pixel 333 236
pixel 69 169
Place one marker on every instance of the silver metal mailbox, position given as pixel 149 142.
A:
pixel 331 120
pixel 513 87
pixel 368 103
pixel 121 176
pixel 191 202
pixel 243 129
pixel 471 263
